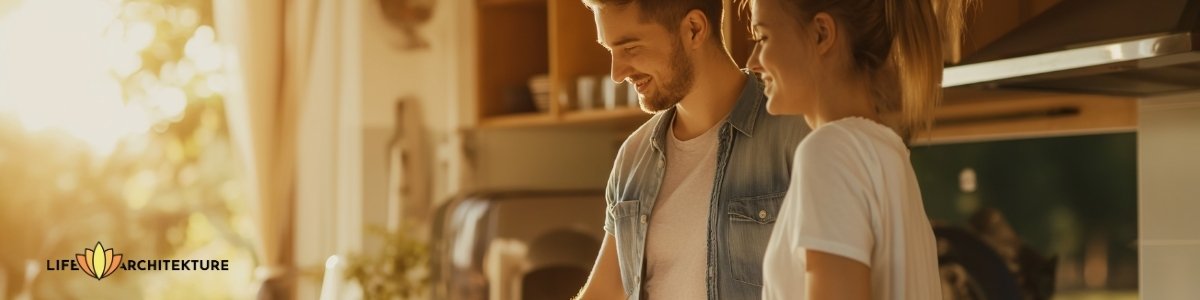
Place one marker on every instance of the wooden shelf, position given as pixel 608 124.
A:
pixel 620 117
pixel 518 120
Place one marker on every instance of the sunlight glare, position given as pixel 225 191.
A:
pixel 56 71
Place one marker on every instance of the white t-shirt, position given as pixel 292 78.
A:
pixel 853 193
pixel 677 239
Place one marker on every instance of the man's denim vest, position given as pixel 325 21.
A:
pixel 754 163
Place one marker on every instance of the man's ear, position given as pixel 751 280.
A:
pixel 694 29
pixel 825 32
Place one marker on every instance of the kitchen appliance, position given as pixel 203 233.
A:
pixel 516 245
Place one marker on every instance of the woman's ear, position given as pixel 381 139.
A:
pixel 693 29
pixel 825 32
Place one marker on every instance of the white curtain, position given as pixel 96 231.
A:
pixel 267 61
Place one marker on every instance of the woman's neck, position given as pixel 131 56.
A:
pixel 852 98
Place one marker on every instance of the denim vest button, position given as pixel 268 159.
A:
pixel 643 219
pixel 762 214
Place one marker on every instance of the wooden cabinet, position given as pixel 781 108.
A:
pixel 513 37
pixel 978 115
pixel 992 19
pixel 520 39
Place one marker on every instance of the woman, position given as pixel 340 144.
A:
pixel 865 75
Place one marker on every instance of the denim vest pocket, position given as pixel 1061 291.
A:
pixel 750 222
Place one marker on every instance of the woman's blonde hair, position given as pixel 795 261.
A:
pixel 898 44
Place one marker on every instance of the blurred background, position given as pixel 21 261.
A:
pixel 113 128
pixel 447 149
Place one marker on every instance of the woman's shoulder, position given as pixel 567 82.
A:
pixel 846 139
pixel 837 135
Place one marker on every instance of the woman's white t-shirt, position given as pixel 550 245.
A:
pixel 854 194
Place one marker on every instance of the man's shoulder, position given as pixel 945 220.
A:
pixel 640 138
pixel 633 149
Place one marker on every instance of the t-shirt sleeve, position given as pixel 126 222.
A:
pixel 833 192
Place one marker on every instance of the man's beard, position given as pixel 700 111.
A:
pixel 674 89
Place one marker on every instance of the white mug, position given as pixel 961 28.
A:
pixel 585 92
pixel 609 92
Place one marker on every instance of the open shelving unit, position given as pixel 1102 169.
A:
pixel 520 39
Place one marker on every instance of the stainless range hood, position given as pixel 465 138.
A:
pixel 1114 47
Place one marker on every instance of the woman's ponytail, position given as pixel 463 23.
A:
pixel 917 54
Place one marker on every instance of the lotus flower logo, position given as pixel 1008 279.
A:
pixel 99 263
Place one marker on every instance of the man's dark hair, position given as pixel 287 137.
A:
pixel 669 13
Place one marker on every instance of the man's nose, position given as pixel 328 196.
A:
pixel 620 70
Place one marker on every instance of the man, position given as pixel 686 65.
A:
pixel 694 192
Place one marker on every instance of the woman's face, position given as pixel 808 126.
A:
pixel 787 57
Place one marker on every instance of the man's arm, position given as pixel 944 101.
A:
pixel 605 280
pixel 832 276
